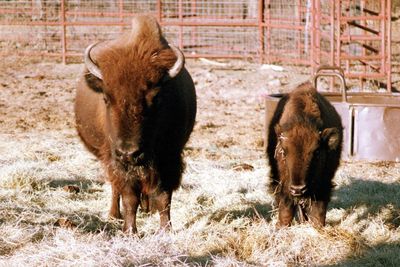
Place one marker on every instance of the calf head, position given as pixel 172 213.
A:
pixel 301 151
pixel 129 73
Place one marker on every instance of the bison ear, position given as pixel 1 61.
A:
pixel 170 60
pixel 164 59
pixel 330 136
pixel 94 83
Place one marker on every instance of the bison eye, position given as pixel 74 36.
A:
pixel 106 99
pixel 149 84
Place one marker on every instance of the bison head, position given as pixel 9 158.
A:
pixel 301 149
pixel 129 73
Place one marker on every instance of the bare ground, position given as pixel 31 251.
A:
pixel 222 215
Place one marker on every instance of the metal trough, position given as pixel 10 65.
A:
pixel 371 121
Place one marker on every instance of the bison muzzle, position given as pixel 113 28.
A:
pixel 304 147
pixel 135 109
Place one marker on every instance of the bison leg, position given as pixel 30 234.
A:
pixel 115 199
pixel 162 203
pixel 286 212
pixel 130 201
pixel 317 213
pixel 145 203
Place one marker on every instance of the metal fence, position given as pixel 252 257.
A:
pixel 352 34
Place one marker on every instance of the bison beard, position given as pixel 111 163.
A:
pixel 135 108
pixel 304 147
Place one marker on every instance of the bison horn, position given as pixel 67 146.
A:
pixel 90 65
pixel 177 67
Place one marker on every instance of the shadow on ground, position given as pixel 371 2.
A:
pixel 372 195
pixel 203 260
pixel 385 255
pixel 250 210
pixel 84 185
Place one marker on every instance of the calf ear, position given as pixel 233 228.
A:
pixel 94 83
pixel 278 130
pixel 330 136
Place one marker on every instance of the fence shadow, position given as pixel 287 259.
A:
pixel 371 195
pixel 379 255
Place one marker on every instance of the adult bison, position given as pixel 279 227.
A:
pixel 304 146
pixel 135 108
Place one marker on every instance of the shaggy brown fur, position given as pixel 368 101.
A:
pixel 137 119
pixel 304 148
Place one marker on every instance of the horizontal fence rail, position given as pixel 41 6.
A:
pixel 352 34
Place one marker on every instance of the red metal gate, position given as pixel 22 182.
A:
pixel 352 34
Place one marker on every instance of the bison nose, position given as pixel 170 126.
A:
pixel 134 157
pixel 297 190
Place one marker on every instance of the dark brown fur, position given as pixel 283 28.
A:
pixel 135 107
pixel 304 148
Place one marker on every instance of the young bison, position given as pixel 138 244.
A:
pixel 135 108
pixel 304 147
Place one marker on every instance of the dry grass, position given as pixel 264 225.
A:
pixel 222 214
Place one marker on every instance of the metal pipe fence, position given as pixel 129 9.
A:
pixel 352 34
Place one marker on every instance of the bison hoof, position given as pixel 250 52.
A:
pixel 280 225
pixel 163 230
pixel 130 230
pixel 115 215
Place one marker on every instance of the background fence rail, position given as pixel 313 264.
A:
pixel 352 34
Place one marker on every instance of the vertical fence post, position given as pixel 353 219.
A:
pixel 180 11
pixel 267 24
pixel 318 17
pixel 348 10
pixel 180 15
pixel 261 29
pixel 363 43
pixel 193 12
pixel 382 21
pixel 309 33
pixel 159 11
pixel 312 25
pixel 332 40
pixel 388 20
pixel 338 35
pixel 332 33
pixel 299 18
pixel 63 33
pixel 121 14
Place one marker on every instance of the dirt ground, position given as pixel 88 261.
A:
pixel 222 214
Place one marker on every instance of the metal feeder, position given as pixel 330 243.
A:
pixel 371 121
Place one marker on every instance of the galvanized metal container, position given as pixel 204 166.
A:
pixel 371 122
